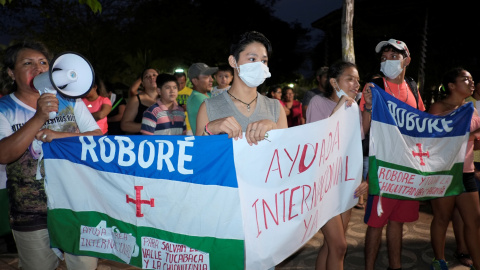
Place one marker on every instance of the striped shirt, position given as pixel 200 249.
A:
pixel 158 120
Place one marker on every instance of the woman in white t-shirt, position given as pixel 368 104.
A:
pixel 24 122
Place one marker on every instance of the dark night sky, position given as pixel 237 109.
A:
pixel 302 11
pixel 305 12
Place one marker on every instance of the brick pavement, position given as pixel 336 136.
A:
pixel 416 255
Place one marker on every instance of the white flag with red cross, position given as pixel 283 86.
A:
pixel 413 154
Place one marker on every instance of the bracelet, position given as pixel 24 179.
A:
pixel 206 131
pixel 366 109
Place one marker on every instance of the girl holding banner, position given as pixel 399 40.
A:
pixel 458 85
pixel 242 108
pixel 343 80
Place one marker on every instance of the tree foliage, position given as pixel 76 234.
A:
pixel 128 36
pixel 94 5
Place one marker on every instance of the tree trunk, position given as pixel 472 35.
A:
pixel 348 53
pixel 423 56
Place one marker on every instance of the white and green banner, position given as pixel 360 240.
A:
pixel 415 155
pixel 208 202
pixel 150 201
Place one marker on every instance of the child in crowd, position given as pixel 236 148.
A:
pixel 165 117
pixel 98 104
pixel 223 77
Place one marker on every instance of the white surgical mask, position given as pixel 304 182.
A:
pixel 340 92
pixel 391 68
pixel 253 74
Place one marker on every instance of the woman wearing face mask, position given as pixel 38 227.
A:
pixel 342 86
pixel 242 108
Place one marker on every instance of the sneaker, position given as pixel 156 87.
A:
pixel 438 265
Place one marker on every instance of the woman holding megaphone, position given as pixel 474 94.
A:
pixel 24 122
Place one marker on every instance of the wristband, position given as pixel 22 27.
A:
pixel 206 131
pixel 366 109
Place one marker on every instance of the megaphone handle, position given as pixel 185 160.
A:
pixel 47 90
pixel 51 115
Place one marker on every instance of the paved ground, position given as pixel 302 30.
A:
pixel 417 252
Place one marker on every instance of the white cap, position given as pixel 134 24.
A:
pixel 395 43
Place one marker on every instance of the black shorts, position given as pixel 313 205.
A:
pixel 469 182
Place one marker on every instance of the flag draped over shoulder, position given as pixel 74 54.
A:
pixel 416 155
pixel 150 201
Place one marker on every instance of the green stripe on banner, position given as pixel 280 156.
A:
pixel 4 216
pixel 455 187
pixel 65 233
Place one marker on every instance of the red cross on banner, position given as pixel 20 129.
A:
pixel 421 154
pixel 138 200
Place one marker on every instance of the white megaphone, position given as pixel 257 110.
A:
pixel 70 74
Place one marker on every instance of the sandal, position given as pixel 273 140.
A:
pixel 464 259
pixel 359 206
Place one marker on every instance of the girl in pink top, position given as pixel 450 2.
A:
pixel 98 105
pixel 342 86
pixel 458 85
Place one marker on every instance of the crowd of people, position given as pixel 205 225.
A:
pixel 162 104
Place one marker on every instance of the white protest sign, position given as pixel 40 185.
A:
pixel 294 183
pixel 106 240
pixel 160 254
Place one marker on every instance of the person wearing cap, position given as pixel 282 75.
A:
pixel 200 74
pixel 321 78
pixel 394 59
